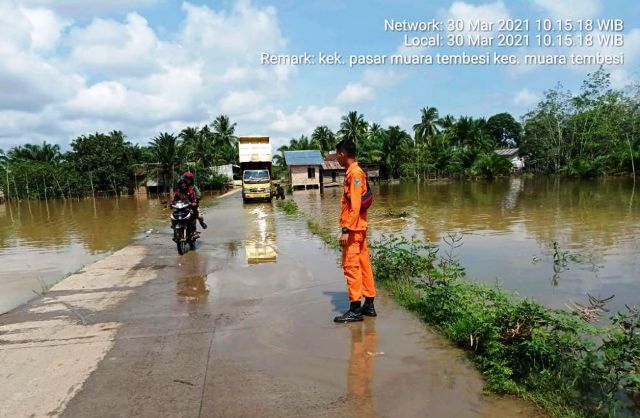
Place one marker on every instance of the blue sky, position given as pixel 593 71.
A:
pixel 69 67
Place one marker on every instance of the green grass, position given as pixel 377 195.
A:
pixel 555 358
pixel 288 206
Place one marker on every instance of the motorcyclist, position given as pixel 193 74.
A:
pixel 184 192
pixel 188 176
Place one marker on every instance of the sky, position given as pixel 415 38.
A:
pixel 73 67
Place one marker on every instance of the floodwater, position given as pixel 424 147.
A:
pixel 41 242
pixel 508 228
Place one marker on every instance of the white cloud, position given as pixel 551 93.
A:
pixel 240 102
pixel 569 8
pixel 396 120
pixel 46 27
pixel 355 93
pixel 115 48
pixel 525 97
pixel 244 32
pixel 123 74
pixel 303 120
pixel 25 75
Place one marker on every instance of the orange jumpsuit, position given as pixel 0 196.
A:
pixel 355 255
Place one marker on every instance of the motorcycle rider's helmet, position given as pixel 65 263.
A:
pixel 188 176
pixel 183 185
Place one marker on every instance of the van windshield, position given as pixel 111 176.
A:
pixel 256 176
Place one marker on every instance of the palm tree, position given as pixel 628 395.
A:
pixel 427 128
pixel 198 145
pixel 224 139
pixel 371 150
pixel 223 131
pixel 166 150
pixel 353 127
pixel 446 122
pixel 324 137
pixel 47 153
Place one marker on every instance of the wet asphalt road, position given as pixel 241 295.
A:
pixel 215 334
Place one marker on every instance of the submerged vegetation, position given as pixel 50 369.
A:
pixel 557 358
pixel 290 207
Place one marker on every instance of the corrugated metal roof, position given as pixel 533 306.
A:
pixel 507 152
pixel 332 156
pixel 306 157
pixel 332 165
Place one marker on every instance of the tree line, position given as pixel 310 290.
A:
pixel 108 164
pixel 591 133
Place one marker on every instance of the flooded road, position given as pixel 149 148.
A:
pixel 43 241
pixel 240 327
pixel 509 226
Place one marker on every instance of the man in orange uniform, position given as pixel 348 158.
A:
pixel 355 252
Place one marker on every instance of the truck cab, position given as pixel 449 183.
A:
pixel 256 184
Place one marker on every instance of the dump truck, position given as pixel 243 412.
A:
pixel 255 166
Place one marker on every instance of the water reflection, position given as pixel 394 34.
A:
pixel 360 370
pixel 260 244
pixel 193 288
pixel 192 282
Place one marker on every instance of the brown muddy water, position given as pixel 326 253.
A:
pixel 508 228
pixel 41 242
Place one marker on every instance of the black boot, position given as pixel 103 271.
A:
pixel 367 308
pixel 354 314
pixel 202 223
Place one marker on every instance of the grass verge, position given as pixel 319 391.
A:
pixel 288 206
pixel 553 357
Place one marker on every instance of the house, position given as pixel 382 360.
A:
pixel 305 168
pixel 372 170
pixel 513 155
pixel 231 171
pixel 332 172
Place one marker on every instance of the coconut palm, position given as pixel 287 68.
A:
pixel 371 150
pixel 353 127
pixel 446 122
pixel 223 131
pixel 324 137
pixel 167 152
pixel 427 128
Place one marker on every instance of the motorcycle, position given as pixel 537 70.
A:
pixel 183 222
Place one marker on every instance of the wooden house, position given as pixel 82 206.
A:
pixel 332 172
pixel 305 168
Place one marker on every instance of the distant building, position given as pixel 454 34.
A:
pixel 372 170
pixel 305 168
pixel 513 155
pixel 231 171
pixel 332 172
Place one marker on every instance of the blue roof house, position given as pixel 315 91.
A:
pixel 304 168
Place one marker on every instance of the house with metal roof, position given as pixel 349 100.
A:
pixel 513 155
pixel 332 172
pixel 305 168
